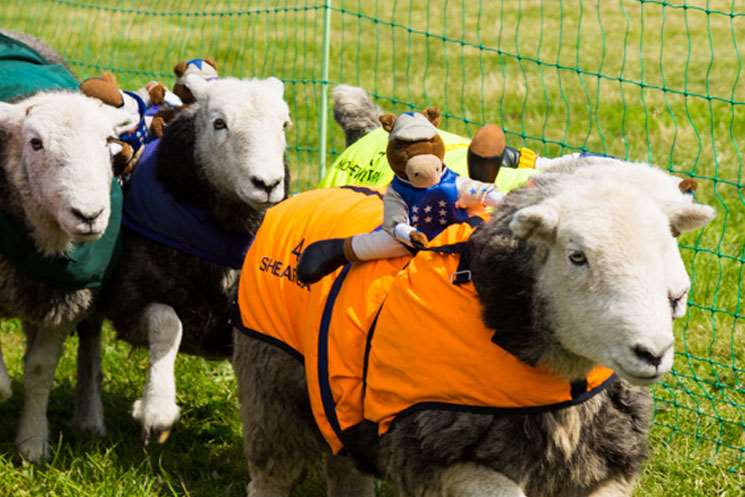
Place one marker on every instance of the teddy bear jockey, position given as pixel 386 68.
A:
pixel 142 105
pixel 204 68
pixel 423 198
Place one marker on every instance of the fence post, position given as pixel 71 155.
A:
pixel 325 83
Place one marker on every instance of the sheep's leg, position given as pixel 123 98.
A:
pixel 157 409
pixel 277 483
pixel 88 417
pixel 275 411
pixel 6 391
pixel 344 479
pixel 44 348
pixel 472 480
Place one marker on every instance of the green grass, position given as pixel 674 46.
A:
pixel 558 75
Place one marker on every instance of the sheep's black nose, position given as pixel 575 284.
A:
pixel 647 356
pixel 267 187
pixel 86 217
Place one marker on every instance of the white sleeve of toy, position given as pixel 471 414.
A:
pixel 377 245
pixel 472 193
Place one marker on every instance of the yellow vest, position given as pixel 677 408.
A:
pixel 386 337
pixel 364 163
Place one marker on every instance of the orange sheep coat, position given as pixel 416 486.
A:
pixel 388 336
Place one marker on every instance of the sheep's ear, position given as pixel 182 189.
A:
pixel 387 120
pixel 537 222
pixel 120 120
pixel 688 217
pixel 197 85
pixel 276 85
pixel 433 115
pixel 11 113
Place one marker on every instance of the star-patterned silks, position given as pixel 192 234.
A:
pixel 431 210
pixel 441 218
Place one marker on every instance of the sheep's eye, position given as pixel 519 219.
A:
pixel 36 144
pixel 578 258
pixel 219 124
pixel 286 125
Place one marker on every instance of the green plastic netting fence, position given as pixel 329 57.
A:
pixel 650 80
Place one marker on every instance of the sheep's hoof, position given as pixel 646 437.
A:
pixel 164 436
pixel 89 427
pixel 157 417
pixel 5 391
pixel 33 449
pixel 161 436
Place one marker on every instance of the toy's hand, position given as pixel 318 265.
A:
pixel 418 239
pixel 157 126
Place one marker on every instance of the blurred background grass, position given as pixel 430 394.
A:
pixel 650 80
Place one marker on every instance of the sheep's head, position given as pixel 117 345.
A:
pixel 240 137
pixel 610 274
pixel 58 159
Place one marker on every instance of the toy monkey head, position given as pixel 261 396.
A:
pixel 206 68
pixel 415 150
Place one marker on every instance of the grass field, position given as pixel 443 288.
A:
pixel 656 81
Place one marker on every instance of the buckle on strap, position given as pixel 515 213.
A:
pixel 460 276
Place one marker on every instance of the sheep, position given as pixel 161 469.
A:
pixel 355 112
pixel 47 52
pixel 55 181
pixel 223 155
pixel 574 271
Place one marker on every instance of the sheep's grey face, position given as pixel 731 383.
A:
pixel 241 138
pixel 66 160
pixel 611 274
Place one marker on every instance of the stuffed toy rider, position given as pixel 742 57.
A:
pixel 204 68
pixel 423 199
pixel 142 107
